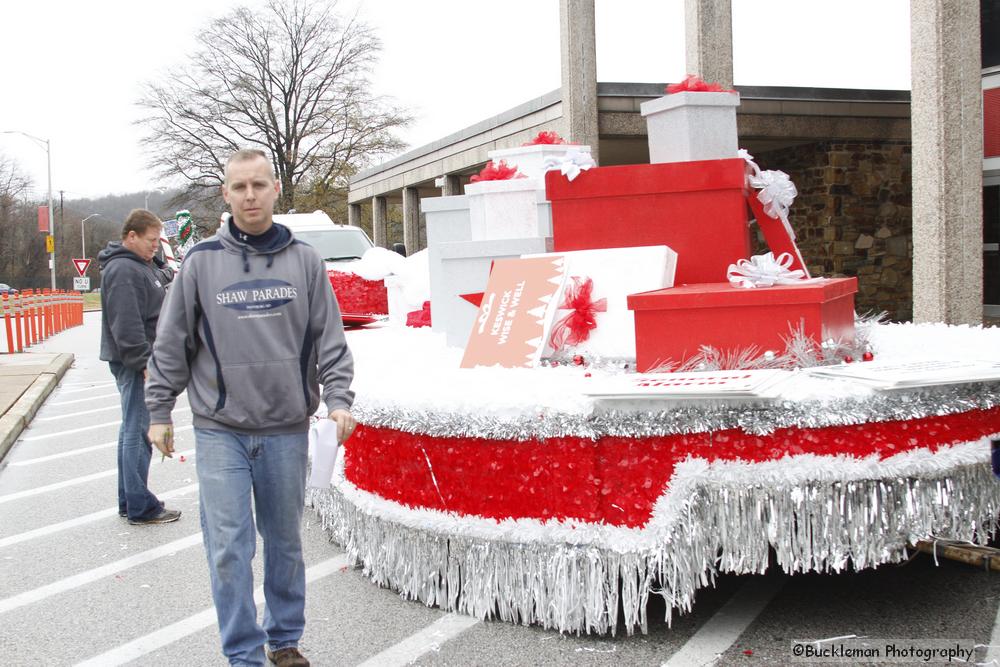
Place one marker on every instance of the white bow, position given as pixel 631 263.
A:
pixel 766 271
pixel 777 192
pixel 571 164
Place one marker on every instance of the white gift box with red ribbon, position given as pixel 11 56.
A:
pixel 689 126
pixel 515 208
pixel 531 160
pixel 615 273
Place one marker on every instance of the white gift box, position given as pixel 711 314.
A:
pixel 465 268
pixel 510 209
pixel 447 221
pixel 446 218
pixel 688 126
pixel 530 160
pixel 616 273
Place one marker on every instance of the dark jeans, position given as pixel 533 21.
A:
pixel 134 447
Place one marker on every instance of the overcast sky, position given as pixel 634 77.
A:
pixel 452 62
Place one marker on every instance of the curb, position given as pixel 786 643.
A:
pixel 23 411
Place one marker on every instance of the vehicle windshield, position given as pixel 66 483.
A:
pixel 332 244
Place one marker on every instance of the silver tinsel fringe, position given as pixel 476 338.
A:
pixel 813 527
pixel 754 418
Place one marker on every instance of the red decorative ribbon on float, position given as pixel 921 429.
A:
pixel 575 328
pixel 545 138
pixel 692 83
pixel 614 480
pixel 499 171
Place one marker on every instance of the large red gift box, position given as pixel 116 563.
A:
pixel 673 324
pixel 697 208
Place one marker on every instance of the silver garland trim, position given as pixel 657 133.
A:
pixel 818 526
pixel 754 418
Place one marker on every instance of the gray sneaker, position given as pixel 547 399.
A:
pixel 165 516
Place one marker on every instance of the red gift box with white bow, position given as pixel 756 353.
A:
pixel 673 324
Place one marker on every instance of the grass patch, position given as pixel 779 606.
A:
pixel 91 301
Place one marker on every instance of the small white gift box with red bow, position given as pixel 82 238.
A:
pixel 534 160
pixel 592 318
pixel 690 126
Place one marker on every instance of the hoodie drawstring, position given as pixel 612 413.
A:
pixel 270 260
pixel 246 262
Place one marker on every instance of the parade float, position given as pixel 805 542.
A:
pixel 614 399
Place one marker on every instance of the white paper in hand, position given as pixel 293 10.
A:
pixel 324 453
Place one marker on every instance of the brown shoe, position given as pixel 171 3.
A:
pixel 287 657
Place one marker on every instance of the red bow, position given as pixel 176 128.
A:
pixel 575 327
pixel 420 318
pixel 693 83
pixel 499 171
pixel 545 138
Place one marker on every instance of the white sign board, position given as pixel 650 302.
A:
pixel 81 284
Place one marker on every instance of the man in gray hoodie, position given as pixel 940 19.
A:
pixel 132 290
pixel 251 328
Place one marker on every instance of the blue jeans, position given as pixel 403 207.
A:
pixel 134 447
pixel 231 467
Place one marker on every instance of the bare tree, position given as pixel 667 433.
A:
pixel 291 79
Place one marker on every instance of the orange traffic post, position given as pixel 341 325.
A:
pixel 60 319
pixel 47 307
pixel 39 323
pixel 17 322
pixel 29 314
pixel 6 323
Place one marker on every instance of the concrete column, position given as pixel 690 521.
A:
pixel 354 215
pixel 379 230
pixel 708 40
pixel 947 130
pixel 411 220
pixel 579 72
pixel 452 185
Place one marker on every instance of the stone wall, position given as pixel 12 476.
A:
pixel 852 216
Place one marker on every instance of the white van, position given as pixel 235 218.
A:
pixel 338 245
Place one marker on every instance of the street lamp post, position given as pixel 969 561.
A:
pixel 83 239
pixel 48 159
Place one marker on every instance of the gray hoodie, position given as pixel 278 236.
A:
pixel 132 292
pixel 251 334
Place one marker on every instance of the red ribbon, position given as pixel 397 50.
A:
pixel 499 171
pixel 545 138
pixel 420 318
pixel 575 327
pixel 692 83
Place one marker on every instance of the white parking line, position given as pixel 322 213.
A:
pixel 57 434
pixel 85 428
pixel 429 639
pixel 116 406
pixel 722 630
pixel 165 636
pixel 27 493
pixel 69 583
pixel 81 400
pixel 83 520
pixel 91 387
pixel 81 450
pixel 67 415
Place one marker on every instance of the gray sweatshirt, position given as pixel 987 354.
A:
pixel 131 295
pixel 250 333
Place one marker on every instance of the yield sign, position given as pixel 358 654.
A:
pixel 81 265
